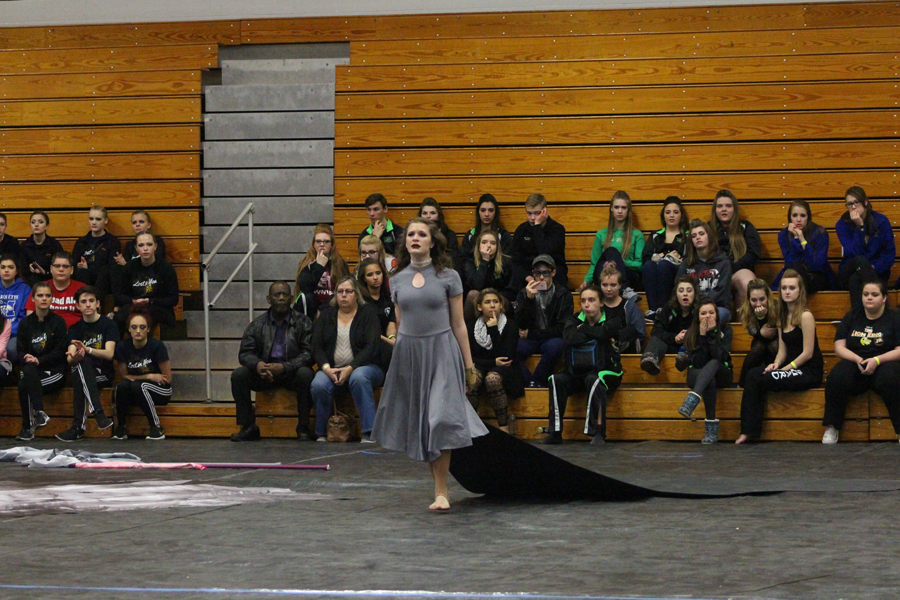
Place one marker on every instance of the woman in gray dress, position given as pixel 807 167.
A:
pixel 423 409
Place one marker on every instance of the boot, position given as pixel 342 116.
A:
pixel 682 361
pixel 690 403
pixel 712 432
pixel 650 363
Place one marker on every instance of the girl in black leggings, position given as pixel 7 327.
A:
pixel 798 366
pixel 868 344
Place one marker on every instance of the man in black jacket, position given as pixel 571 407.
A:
pixel 538 235
pixel 275 352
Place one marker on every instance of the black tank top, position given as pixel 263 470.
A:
pixel 793 342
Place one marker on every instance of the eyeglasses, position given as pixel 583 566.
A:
pixel 853 204
pixel 542 272
pixel 368 252
pixel 322 242
pixel 345 292
pixel 137 327
pixel 58 266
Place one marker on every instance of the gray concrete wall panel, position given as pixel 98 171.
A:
pixel 314 209
pixel 268 182
pixel 268 154
pixel 269 126
pixel 271 238
pixel 249 98
pixel 279 71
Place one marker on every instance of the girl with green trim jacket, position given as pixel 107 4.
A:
pixel 663 253
pixel 593 364
pixel 708 343
pixel 620 244
pixel 671 326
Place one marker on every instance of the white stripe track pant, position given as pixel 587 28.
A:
pixel 34 382
pixel 564 384
pixel 86 383
pixel 145 394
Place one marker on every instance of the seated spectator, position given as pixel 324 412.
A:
pixel 867 243
pixel 487 267
pixel 345 346
pixel 670 327
pixel 804 246
pixel 709 267
pixel 8 244
pixel 738 240
pixel 537 236
pixel 632 332
pixel 95 252
pixel 620 245
pixel 708 344
pixel 147 282
pixel 868 343
pixel 42 342
pixel 593 364
pixel 371 247
pixel 14 296
pixel 759 316
pixel 493 339
pixel 373 282
pixel 487 218
pixel 92 346
pixel 318 271
pixel 64 289
pixel 663 253
pixel 141 223
pixel 275 353
pixel 799 364
pixel 542 309
pixel 430 210
pixel 38 249
pixel 145 372
pixel 381 227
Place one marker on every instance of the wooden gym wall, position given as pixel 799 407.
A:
pixel 774 102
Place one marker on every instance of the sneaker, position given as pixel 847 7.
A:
pixel 682 361
pixel 119 433
pixel 553 438
pixel 103 422
pixel 831 435
pixel 40 419
pixel 598 440
pixel 367 439
pixel 650 364
pixel 629 294
pixel 248 433
pixel 651 314
pixel 156 433
pixel 303 433
pixel 321 438
pixel 72 434
pixel 26 435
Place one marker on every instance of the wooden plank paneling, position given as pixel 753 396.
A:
pixel 99 139
pixel 179 250
pixel 785 42
pixel 617 130
pixel 23 37
pixel 851 14
pixel 100 85
pixel 144 34
pixel 61 167
pixel 516 24
pixel 133 194
pixel 127 111
pixel 519 76
pixel 616 159
pixel 93 60
pixel 747 185
pixel 73 224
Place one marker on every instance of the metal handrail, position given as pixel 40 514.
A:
pixel 205 266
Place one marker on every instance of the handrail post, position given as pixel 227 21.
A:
pixel 207 303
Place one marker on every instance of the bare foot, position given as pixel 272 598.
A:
pixel 741 439
pixel 441 503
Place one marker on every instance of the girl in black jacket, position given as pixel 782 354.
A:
pixel 95 252
pixel 738 239
pixel 318 273
pixel 663 253
pixel 42 341
pixel 147 282
pixel 38 249
pixel 493 338
pixel 671 325
pixel 759 316
pixel 486 267
pixel 708 343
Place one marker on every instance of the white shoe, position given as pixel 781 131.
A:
pixel 831 435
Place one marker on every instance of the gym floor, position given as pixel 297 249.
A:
pixel 372 531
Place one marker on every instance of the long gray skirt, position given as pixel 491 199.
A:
pixel 423 407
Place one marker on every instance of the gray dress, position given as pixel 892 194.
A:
pixel 423 407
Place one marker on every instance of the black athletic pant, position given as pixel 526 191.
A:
pixel 759 384
pixel 34 382
pixel 760 355
pixel 86 383
pixel 845 381
pixel 658 348
pixel 851 276
pixel 146 394
pixel 244 380
pixel 598 386
pixel 707 380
